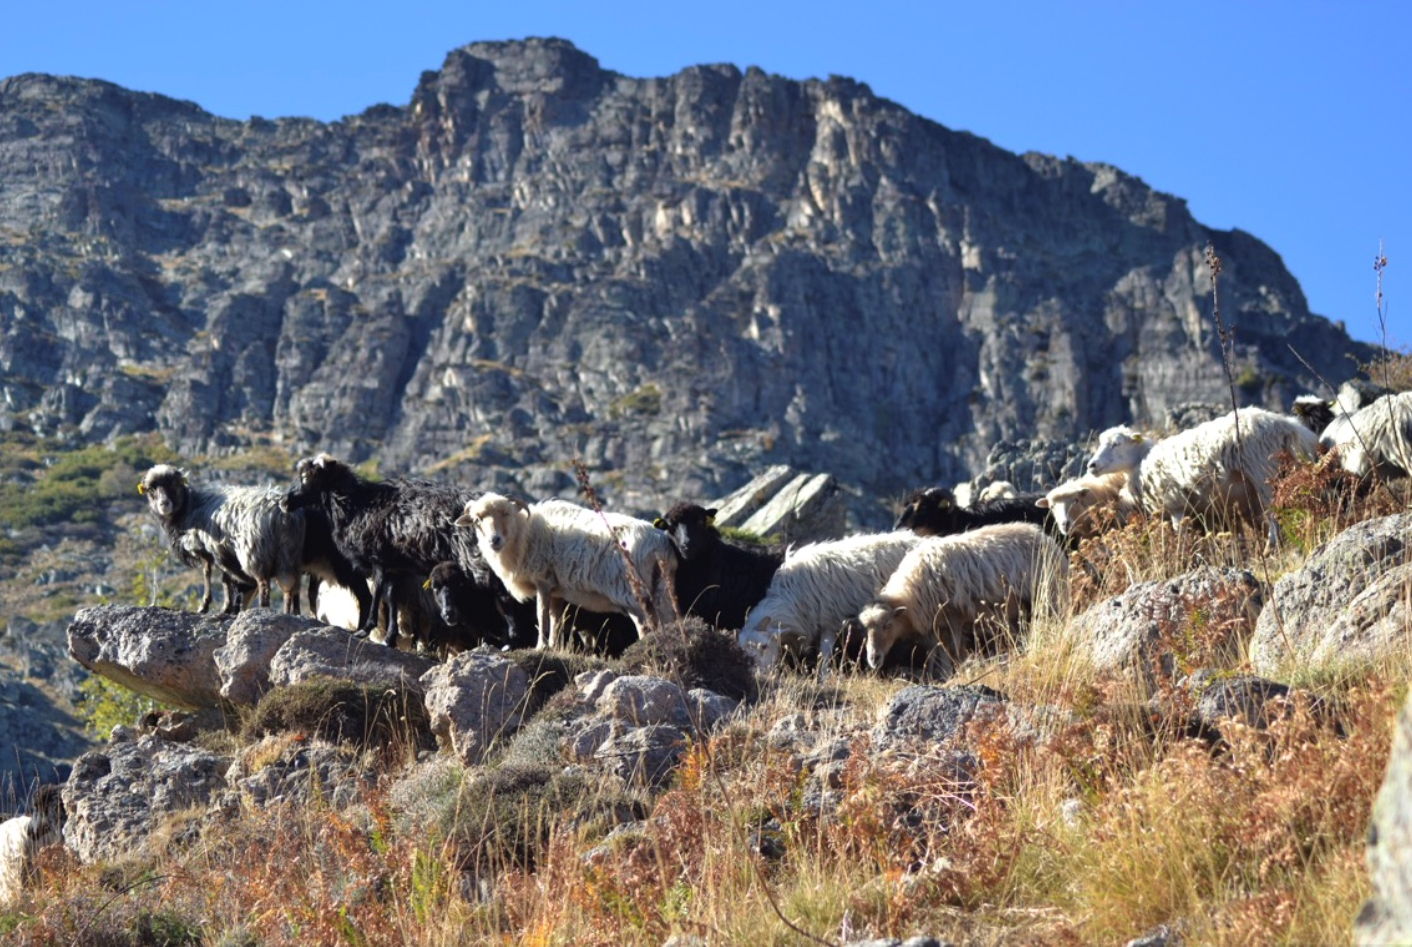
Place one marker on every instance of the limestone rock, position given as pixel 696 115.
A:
pixel 1387 917
pixel 474 700
pixel 160 652
pixel 933 714
pixel 1347 602
pixel 1126 629
pixel 252 640
pixel 332 652
pixel 643 756
pixel 117 795
pixel 640 701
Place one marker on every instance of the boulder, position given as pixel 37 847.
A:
pixel 118 794
pixel 640 701
pixel 161 653
pixel 933 714
pixel 787 506
pixel 332 652
pixel 1386 918
pixel 643 756
pixel 1126 630
pixel 252 640
pixel 1348 601
pixel 474 700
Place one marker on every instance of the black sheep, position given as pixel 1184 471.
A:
pixel 717 580
pixel 933 511
pixel 386 529
pixel 478 605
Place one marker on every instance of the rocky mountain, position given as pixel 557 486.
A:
pixel 679 280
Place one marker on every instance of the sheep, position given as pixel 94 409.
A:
pixel 385 529
pixel 716 580
pixel 22 838
pixel 243 530
pixel 1215 471
pixel 559 553
pixel 999 490
pixel 1375 439
pixel 816 590
pixel 1085 506
pixel 945 586
pixel 934 511
pixel 481 606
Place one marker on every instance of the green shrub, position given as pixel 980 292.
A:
pixel 107 704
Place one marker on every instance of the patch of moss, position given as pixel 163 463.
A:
pixel 343 712
pixel 696 655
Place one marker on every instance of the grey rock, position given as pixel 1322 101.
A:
pixel 1347 602
pixel 252 640
pixel 1386 918
pixel 1161 936
pixel 804 508
pixel 638 701
pixel 1245 697
pixel 1126 630
pixel 118 795
pixel 582 742
pixel 933 714
pixel 303 772
pixel 643 756
pixel 474 700
pixel 159 652
pixel 709 709
pixel 331 652
pixel 592 683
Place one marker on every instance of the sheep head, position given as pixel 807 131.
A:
pixel 925 506
pixel 164 486
pixel 1120 450
pixel 881 624
pixel 497 520
pixel 691 527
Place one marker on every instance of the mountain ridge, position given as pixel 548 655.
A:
pixel 679 280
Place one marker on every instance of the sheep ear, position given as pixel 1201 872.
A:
pixel 141 488
pixel 710 517
pixel 520 503
pixel 465 519
pixel 1042 503
pixel 943 502
pixel 660 523
pixel 1139 438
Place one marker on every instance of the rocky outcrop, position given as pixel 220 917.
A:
pixel 1348 602
pixel 1130 629
pixel 1387 917
pixel 679 280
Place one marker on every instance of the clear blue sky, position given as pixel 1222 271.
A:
pixel 1291 120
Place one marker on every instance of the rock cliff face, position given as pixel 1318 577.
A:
pixel 680 280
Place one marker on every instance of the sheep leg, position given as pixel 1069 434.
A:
pixel 394 623
pixel 546 619
pixel 234 594
pixel 290 587
pixel 368 618
pixel 205 605
pixel 827 640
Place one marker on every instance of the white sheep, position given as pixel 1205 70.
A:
pixel 1086 506
pixel 947 585
pixel 1375 438
pixel 818 588
pixel 243 530
pixel 999 490
pixel 1215 471
pixel 560 553
pixel 22 838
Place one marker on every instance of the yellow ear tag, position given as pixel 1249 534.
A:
pixel 141 488
pixel 659 523
pixel 426 586
pixel 710 521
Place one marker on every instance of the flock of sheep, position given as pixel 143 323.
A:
pixel 451 567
